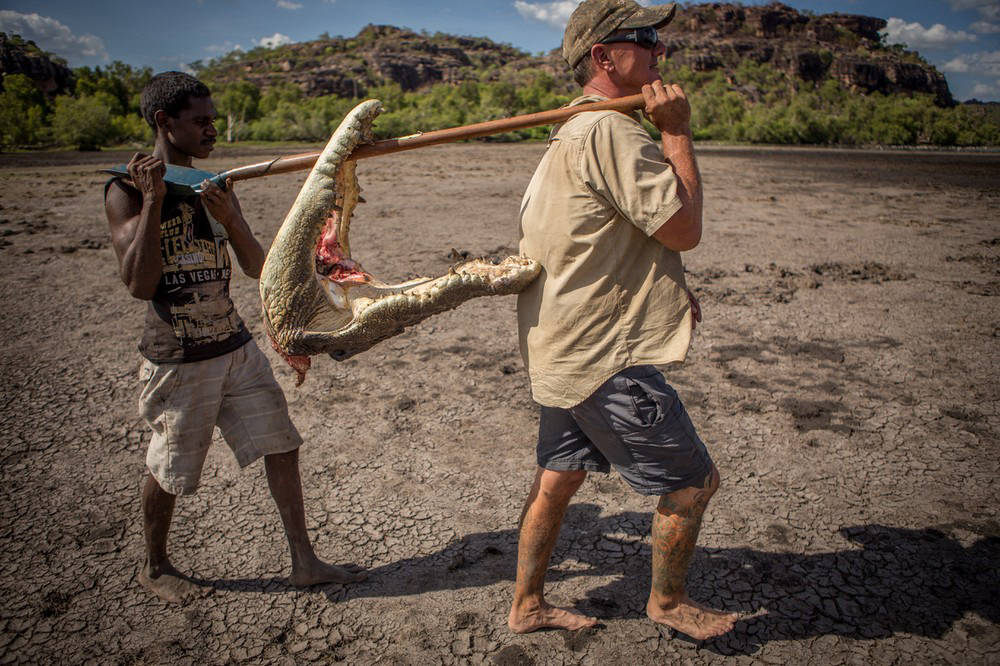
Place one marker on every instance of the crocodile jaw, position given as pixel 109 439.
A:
pixel 317 299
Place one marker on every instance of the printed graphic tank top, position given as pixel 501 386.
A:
pixel 191 317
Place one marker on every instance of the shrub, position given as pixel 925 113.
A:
pixel 22 112
pixel 83 122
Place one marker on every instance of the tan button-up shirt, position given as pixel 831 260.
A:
pixel 609 296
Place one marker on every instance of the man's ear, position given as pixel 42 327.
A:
pixel 601 58
pixel 160 118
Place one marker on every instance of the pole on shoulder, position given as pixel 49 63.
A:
pixel 436 137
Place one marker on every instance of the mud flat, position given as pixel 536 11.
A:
pixel 845 379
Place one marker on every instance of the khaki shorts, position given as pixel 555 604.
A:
pixel 184 402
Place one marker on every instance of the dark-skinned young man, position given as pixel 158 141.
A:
pixel 607 214
pixel 201 367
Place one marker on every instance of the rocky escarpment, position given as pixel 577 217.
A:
pixel 378 55
pixel 24 57
pixel 706 37
pixel 846 47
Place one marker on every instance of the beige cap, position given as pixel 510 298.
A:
pixel 594 20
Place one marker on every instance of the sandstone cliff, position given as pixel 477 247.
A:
pixel 378 55
pixel 20 57
pixel 705 37
pixel 846 47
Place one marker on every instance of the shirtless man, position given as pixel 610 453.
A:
pixel 202 368
pixel 607 214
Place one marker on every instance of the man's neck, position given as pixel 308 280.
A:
pixel 603 86
pixel 169 154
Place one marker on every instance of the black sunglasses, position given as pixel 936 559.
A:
pixel 646 37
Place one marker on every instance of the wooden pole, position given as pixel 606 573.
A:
pixel 436 137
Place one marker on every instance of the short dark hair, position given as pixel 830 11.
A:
pixel 584 71
pixel 170 91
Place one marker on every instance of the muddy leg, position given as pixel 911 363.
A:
pixel 540 522
pixel 286 488
pixel 675 529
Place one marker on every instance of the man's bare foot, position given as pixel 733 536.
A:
pixel 318 572
pixel 693 619
pixel 526 620
pixel 169 584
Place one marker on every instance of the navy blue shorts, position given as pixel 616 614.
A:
pixel 636 422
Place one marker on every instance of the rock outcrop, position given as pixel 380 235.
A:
pixel 378 55
pixel 706 37
pixel 846 47
pixel 52 78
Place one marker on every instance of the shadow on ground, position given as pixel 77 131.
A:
pixel 897 581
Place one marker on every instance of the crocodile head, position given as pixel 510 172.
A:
pixel 317 299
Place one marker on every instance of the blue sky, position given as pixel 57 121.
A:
pixel 960 37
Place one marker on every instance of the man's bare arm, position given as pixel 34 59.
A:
pixel 668 109
pixel 225 208
pixel 134 217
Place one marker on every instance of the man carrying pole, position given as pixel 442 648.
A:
pixel 202 368
pixel 607 214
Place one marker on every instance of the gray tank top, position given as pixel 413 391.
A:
pixel 191 317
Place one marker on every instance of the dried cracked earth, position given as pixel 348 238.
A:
pixel 844 378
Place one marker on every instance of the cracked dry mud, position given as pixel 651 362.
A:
pixel 845 379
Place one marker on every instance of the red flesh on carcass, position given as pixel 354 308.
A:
pixel 336 267
pixel 331 261
pixel 300 364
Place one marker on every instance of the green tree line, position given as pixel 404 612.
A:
pixel 756 104
pixel 102 109
pixel 759 104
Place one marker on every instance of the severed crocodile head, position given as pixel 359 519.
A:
pixel 318 300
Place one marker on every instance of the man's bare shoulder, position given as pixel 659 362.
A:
pixel 121 201
pixel 120 189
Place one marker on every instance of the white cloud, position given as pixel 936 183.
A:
pixel 916 36
pixel 277 39
pixel 980 62
pixel 957 65
pixel 288 4
pixel 53 36
pixel 224 47
pixel 555 13
pixel 985 27
pixel 986 89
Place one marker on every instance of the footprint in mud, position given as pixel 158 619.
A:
pixel 779 284
pixel 465 621
pixel 817 415
pixel 578 640
pixel 991 288
pixel 986 263
pixel 769 284
pixel 777 534
pixel 869 271
pixel 969 420
pixel 513 655
pixel 55 604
